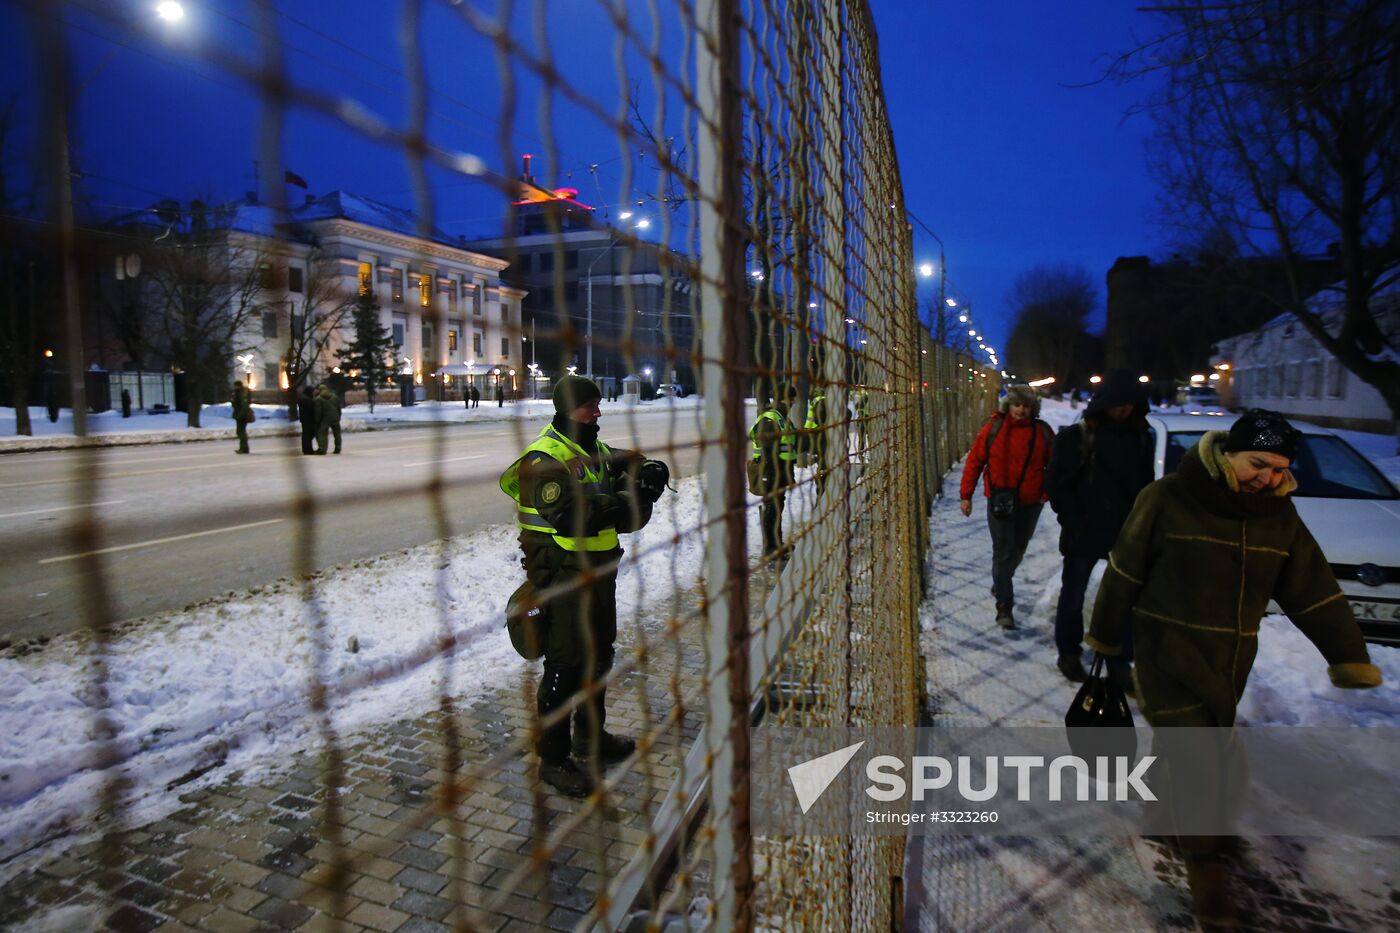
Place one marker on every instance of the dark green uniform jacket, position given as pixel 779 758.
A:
pixel 1195 567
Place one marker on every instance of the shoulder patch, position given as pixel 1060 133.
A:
pixel 550 492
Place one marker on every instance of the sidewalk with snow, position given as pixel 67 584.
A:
pixel 979 674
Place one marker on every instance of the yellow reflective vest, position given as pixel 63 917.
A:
pixel 812 404
pixel 592 476
pixel 787 437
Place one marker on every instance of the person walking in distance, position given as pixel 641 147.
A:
pixel 774 454
pixel 242 410
pixel 1012 448
pixel 1198 561
pixel 574 495
pixel 126 403
pixel 500 395
pixel 327 418
pixel 1097 468
pixel 306 414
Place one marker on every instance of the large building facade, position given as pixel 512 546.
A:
pixel 599 299
pixel 444 305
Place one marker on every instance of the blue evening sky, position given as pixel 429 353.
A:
pixel 1005 161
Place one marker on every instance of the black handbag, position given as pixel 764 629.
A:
pixel 1099 721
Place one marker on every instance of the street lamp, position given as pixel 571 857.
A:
pixel 170 10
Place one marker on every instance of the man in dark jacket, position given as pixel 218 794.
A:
pixel 1098 467
pixel 327 418
pixel 306 414
pixel 1013 447
pixel 1199 558
pixel 574 495
pixel 241 407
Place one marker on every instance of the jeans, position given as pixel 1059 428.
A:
pixel 1069 615
pixel 1009 539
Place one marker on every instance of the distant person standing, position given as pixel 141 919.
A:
pixel 327 418
pixel 476 396
pixel 306 414
pixel 1098 467
pixel 242 409
pixel 1013 448
pixel 500 395
pixel 126 404
pixel 771 465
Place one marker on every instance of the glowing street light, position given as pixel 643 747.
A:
pixel 1197 378
pixel 1143 379
pixel 950 302
pixel 926 270
pixel 171 11
pixel 1095 380
pixel 625 215
pixel 643 224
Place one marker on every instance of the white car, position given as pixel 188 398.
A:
pixel 1349 506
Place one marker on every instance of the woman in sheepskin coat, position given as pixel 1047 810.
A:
pixel 1195 566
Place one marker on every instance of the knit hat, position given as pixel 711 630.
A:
pixel 1263 430
pixel 572 391
pixel 1119 387
pixel 1021 394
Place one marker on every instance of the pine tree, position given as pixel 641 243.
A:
pixel 369 357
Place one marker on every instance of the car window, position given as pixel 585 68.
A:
pixel 1326 467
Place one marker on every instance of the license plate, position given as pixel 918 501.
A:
pixel 1375 611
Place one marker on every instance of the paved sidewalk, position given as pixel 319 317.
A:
pixel 243 857
pixel 979 674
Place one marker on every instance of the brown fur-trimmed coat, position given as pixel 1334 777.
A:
pixel 1195 567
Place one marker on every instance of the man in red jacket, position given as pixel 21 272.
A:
pixel 1013 448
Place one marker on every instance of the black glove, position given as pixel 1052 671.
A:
pixel 652 479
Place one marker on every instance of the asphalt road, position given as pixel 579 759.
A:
pixel 183 522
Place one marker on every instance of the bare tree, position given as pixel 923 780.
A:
pixel 205 292
pixel 19 318
pixel 317 315
pixel 1052 305
pixel 1278 132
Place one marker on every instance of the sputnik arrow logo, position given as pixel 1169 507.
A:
pixel 811 778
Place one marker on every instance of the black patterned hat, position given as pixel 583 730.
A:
pixel 1267 431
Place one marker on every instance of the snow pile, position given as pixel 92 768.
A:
pixel 1289 684
pixel 224 685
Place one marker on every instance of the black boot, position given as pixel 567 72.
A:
pixel 611 748
pixel 566 777
pixel 1073 668
pixel 1004 617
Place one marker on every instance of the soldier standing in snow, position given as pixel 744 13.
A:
pixel 306 414
pixel 574 495
pixel 327 418
pixel 774 455
pixel 241 406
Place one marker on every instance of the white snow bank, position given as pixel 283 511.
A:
pixel 1289 684
pixel 224 684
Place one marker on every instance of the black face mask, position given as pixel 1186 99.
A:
pixel 585 435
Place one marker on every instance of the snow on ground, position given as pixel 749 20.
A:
pixel 216 421
pixel 224 684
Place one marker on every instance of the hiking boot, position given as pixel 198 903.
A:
pixel 611 748
pixel 1072 666
pixel 1211 900
pixel 566 777
pixel 1004 617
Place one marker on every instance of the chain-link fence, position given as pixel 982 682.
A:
pixel 779 585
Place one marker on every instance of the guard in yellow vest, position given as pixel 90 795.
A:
pixel 774 454
pixel 815 432
pixel 574 495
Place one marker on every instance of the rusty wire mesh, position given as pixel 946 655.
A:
pixel 756 131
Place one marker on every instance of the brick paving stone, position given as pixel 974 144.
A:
pixel 282 914
pixel 425 859
pixel 128 919
pixel 562 918
pixel 242 899
pixel 418 904
pixel 423 925
pixel 380 892
pixel 224 920
pixel 420 880
pixel 376 917
pixel 279 885
pixel 284 861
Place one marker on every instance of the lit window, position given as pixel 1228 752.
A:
pixel 425 290
pixel 452 341
pixel 366 278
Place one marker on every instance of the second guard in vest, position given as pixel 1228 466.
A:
pixel 815 431
pixel 771 466
pixel 574 496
